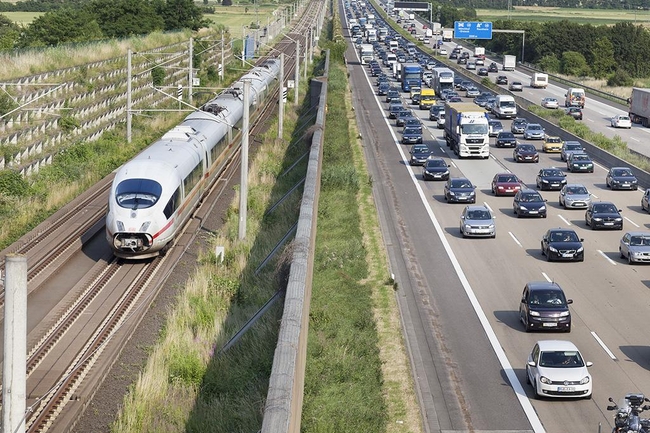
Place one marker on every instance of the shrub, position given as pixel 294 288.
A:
pixel 157 76
pixel 620 78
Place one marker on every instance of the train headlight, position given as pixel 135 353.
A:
pixel 120 226
pixel 145 226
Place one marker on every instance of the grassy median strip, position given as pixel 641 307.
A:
pixel 358 377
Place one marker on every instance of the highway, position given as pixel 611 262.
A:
pixel 459 297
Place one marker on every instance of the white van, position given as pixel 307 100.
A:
pixel 539 80
pixel 574 97
pixel 505 107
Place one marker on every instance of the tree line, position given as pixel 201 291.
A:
pixel 83 21
pixel 618 53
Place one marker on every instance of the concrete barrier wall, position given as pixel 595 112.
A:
pixel 283 409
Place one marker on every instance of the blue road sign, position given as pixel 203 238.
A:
pixel 472 30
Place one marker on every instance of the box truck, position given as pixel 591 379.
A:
pixel 479 52
pixel 509 62
pixel 539 80
pixel 447 35
pixel 466 130
pixel 436 28
pixel 640 106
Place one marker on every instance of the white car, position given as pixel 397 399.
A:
pixel 621 121
pixel 555 368
pixel 550 103
pixel 443 52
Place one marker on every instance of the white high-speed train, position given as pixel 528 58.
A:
pixel 154 194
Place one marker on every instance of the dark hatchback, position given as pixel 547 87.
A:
pixel 419 154
pixel 603 214
pixel 544 307
pixel 506 139
pixel 382 90
pixel 574 112
pixel 525 153
pixel 392 95
pixel 528 202
pixel 460 190
pixel 435 169
pixel 518 125
pixel 550 179
pixel 412 135
pixel 562 244
pixel 621 178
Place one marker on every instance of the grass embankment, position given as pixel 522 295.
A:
pixel 358 376
pixel 576 15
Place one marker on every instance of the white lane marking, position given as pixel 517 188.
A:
pixel 608 259
pixel 595 196
pixel 565 220
pixel 631 222
pixel 602 344
pixel 514 238
pixel 547 277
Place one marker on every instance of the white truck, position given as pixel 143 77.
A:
pixel 447 35
pixel 436 28
pixel 479 52
pixel 504 107
pixel 411 17
pixel 509 62
pixel 539 80
pixel 640 106
pixel 366 53
pixel 466 130
pixel 428 33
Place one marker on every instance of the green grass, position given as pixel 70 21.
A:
pixel 234 17
pixel 23 18
pixel 583 16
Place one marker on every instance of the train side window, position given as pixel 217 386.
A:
pixel 172 204
pixel 193 178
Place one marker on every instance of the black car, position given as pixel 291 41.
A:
pixel 453 56
pixel 502 79
pixel 493 67
pixel 402 116
pixel 392 95
pixel 550 179
pixel 525 153
pixel 603 214
pixel 412 135
pixel 393 109
pixel 435 169
pixel 518 125
pixel 435 111
pixel 383 89
pixel 461 61
pixel 412 122
pixel 574 112
pixel 580 162
pixel 481 100
pixel 460 189
pixel 482 72
pixel 528 202
pixel 506 139
pixel 419 154
pixel 544 306
pixel 562 244
pixel 621 178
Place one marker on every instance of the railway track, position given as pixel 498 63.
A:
pixel 81 334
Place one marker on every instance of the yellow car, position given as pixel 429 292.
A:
pixel 552 144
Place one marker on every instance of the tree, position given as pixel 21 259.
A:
pixel 123 18
pixel 182 14
pixel 9 34
pixel 603 55
pixel 61 26
pixel 574 63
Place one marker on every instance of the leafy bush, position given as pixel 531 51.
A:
pixel 157 76
pixel 620 78
pixel 13 184
pixel 550 63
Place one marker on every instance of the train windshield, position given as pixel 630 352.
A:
pixel 137 193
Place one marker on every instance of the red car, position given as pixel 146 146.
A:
pixel 505 184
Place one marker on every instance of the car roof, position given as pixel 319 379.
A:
pixel 561 229
pixel 545 345
pixel 638 233
pixel 477 207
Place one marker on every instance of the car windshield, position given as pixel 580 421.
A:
pixel 573 146
pixel 602 208
pixel 474 128
pixel 640 240
pixel 507 178
pixel 530 198
pixel 554 173
pixel 436 163
pixel 564 236
pixel 412 131
pixel 561 359
pixel 460 183
pixel 527 148
pixel 506 135
pixel 553 140
pixel 520 121
pixel 622 172
pixel 535 127
pixel 547 298
pixel 576 190
pixel 580 157
pixel 478 214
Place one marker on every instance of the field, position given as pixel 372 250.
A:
pixel 234 17
pixel 591 16
pixel 22 18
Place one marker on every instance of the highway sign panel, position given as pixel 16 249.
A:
pixel 411 6
pixel 472 30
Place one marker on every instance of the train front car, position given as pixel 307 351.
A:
pixel 147 202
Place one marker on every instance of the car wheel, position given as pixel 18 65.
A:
pixel 462 232
pixel 548 256
pixel 629 259
pixel 543 252
pixel 588 397
pixel 537 395
pixel 527 377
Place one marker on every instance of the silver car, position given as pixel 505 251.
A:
pixel 477 221
pixel 534 131
pixel 635 247
pixel 574 196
